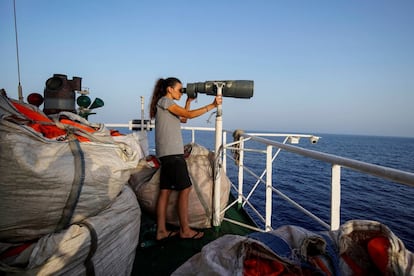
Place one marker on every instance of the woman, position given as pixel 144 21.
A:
pixel 170 150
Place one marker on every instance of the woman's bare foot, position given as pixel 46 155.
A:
pixel 192 234
pixel 165 235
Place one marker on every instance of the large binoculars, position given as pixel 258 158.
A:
pixel 242 89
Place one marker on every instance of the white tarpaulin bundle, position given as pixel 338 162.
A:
pixel 101 245
pixel 359 247
pixel 200 168
pixel 47 184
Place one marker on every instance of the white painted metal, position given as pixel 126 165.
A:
pixel 259 179
pixel 300 208
pixel 224 164
pixel 268 225
pixel 217 171
pixel 240 173
pixel 337 163
pixel 198 128
pixel 381 171
pixel 336 197
pixel 117 125
pixel 142 114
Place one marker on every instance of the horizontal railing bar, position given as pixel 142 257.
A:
pixel 300 208
pixel 229 206
pixel 282 195
pixel 198 128
pixel 377 170
pixel 153 126
pixel 116 125
pixel 395 175
pixel 253 209
pixel 282 135
pixel 246 149
pixel 244 225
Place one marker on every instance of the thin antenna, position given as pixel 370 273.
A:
pixel 19 87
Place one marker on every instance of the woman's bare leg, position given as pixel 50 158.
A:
pixel 182 208
pixel 162 205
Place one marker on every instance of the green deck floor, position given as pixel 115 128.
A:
pixel 162 258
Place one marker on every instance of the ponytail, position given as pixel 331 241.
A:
pixel 160 90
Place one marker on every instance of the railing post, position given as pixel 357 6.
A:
pixel 224 152
pixel 335 197
pixel 240 176
pixel 217 171
pixel 268 219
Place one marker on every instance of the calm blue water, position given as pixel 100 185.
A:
pixel 307 181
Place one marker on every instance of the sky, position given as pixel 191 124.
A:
pixel 342 67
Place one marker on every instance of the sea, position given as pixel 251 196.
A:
pixel 307 181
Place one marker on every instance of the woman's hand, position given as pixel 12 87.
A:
pixel 189 99
pixel 218 100
pixel 188 103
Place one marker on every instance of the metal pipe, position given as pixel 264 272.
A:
pixel 269 162
pixel 381 171
pixel 335 197
pixel 217 172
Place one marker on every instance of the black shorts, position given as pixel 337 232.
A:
pixel 174 173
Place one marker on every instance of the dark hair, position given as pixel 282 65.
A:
pixel 160 90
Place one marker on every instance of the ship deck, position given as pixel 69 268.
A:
pixel 163 258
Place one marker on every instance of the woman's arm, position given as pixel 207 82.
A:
pixel 185 114
pixel 187 107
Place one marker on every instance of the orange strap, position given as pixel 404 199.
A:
pixel 48 131
pixel 52 131
pixel 69 122
pixel 31 114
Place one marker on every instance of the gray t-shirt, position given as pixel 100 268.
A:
pixel 168 137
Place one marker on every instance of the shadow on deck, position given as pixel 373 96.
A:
pixel 163 258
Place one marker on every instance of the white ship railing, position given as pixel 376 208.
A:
pixel 271 151
pixel 336 162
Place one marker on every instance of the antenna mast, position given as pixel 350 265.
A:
pixel 19 87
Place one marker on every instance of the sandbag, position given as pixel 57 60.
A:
pixel 262 253
pixel 143 172
pixel 199 163
pixel 64 253
pixel 293 250
pixel 47 184
pixel 365 246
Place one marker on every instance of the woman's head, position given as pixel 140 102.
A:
pixel 171 86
